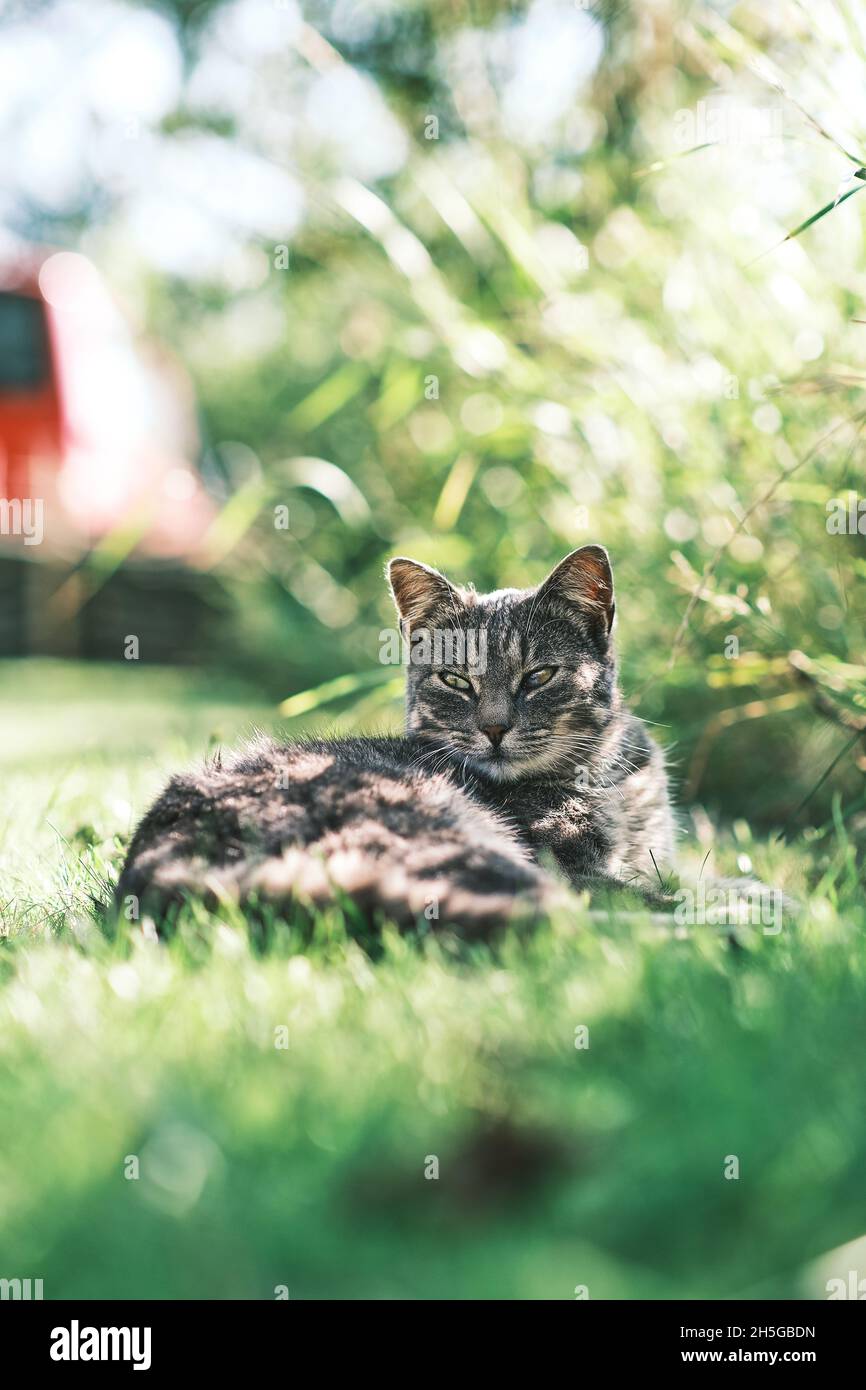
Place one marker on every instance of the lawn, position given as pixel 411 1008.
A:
pixel 217 1119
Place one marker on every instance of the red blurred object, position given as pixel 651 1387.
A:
pixel 101 434
pixel 30 412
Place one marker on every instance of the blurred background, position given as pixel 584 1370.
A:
pixel 286 288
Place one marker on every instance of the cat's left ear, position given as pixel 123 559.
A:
pixel 585 579
pixel 417 590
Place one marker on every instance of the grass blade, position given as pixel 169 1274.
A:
pixel 308 700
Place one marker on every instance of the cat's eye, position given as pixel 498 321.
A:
pixel 454 681
pixel 540 677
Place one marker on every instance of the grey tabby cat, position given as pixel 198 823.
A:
pixel 519 755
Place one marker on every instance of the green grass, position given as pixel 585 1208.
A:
pixel 261 1166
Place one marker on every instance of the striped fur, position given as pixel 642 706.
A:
pixel 448 824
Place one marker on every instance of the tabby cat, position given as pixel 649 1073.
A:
pixel 519 757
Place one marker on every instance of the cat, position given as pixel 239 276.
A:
pixel 543 730
pixel 519 756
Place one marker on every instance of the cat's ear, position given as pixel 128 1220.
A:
pixel 417 590
pixel 585 579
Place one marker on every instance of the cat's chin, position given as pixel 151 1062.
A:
pixel 497 769
pixel 517 767
pixel 505 768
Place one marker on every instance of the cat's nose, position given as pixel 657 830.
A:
pixel 495 732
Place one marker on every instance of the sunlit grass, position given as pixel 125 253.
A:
pixel 262 1165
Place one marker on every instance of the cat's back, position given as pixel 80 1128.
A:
pixel 382 819
pixel 329 780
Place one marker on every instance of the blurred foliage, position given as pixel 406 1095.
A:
pixel 563 273
pixel 529 337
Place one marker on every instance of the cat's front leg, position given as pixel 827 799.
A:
pixel 582 858
pixel 583 839
pixel 575 835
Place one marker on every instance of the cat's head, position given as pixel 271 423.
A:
pixel 517 683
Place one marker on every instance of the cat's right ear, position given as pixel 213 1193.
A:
pixel 417 590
